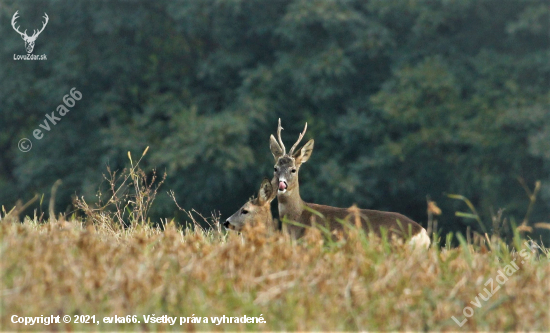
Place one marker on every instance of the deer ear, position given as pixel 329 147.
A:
pixel 275 148
pixel 302 155
pixel 265 195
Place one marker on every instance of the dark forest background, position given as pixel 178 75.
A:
pixel 405 99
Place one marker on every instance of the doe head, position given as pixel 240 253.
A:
pixel 288 164
pixel 256 210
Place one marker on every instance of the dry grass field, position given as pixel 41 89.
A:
pixel 358 283
pixel 92 269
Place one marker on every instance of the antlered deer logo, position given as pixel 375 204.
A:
pixel 29 41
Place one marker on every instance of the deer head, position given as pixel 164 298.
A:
pixel 255 210
pixel 287 165
pixel 29 41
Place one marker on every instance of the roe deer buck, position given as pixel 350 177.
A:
pixel 294 208
pixel 257 210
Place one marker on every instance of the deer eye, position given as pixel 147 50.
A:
pixel 244 211
pixel 293 170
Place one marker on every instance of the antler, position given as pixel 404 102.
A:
pixel 14 18
pixel 297 142
pixel 279 128
pixel 35 34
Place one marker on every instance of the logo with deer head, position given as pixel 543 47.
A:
pixel 29 40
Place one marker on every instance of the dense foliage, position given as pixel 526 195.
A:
pixel 404 99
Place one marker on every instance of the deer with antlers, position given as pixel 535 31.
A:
pixel 293 208
pixel 29 40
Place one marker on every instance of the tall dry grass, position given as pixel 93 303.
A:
pixel 357 283
pixel 113 261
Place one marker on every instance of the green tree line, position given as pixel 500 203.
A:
pixel 405 99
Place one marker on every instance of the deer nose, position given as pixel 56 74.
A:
pixel 226 224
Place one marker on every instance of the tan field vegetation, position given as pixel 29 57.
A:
pixel 353 284
pixel 92 265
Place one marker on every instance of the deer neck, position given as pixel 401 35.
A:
pixel 269 222
pixel 290 204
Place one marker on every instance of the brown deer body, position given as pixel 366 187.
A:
pixel 293 208
pixel 256 210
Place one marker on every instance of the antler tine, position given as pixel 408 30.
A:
pixel 43 25
pixel 298 142
pixel 14 18
pixel 279 128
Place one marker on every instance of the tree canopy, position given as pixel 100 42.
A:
pixel 403 98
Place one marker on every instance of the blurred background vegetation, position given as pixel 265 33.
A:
pixel 405 99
